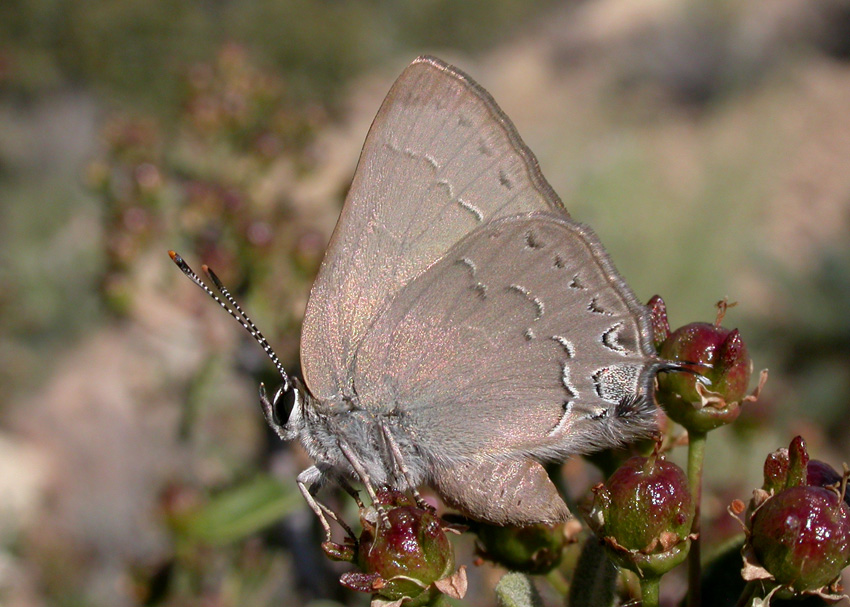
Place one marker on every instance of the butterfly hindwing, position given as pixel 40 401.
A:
pixel 522 339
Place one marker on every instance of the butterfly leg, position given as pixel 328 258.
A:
pixel 399 461
pixel 269 412
pixel 309 482
pixel 351 491
pixel 364 478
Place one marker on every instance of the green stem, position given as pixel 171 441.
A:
pixel 189 414
pixel 696 456
pixel 649 591
pixel 557 580
pixel 440 601
pixel 747 596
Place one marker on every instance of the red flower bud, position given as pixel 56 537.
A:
pixel 776 470
pixel 798 526
pixel 802 537
pixel 405 556
pixel 660 324
pixel 717 354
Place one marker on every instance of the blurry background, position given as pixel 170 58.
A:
pixel 707 142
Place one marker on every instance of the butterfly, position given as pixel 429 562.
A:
pixel 463 329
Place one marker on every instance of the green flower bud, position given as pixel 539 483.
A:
pixel 535 549
pixel 644 513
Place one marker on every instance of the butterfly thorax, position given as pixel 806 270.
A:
pixel 322 425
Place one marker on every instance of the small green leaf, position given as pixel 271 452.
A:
pixel 595 578
pixel 516 590
pixel 243 510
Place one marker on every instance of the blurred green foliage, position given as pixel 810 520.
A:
pixel 136 51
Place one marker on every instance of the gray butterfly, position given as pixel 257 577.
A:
pixel 463 328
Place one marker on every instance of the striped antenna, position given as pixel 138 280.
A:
pixel 241 317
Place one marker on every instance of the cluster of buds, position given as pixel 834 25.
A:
pixel 643 514
pixel 405 557
pixel 797 526
pixel 232 100
pixel 716 355
pixel 237 122
pixel 403 552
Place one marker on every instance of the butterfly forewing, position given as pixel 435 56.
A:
pixel 440 160
pixel 520 339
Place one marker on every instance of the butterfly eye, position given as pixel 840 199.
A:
pixel 283 403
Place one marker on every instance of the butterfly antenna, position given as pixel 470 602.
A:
pixel 671 366
pixel 240 316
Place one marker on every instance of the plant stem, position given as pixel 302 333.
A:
pixel 557 580
pixel 747 596
pixel 649 591
pixel 696 456
pixel 440 601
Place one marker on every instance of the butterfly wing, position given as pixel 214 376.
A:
pixel 440 160
pixel 508 492
pixel 521 339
